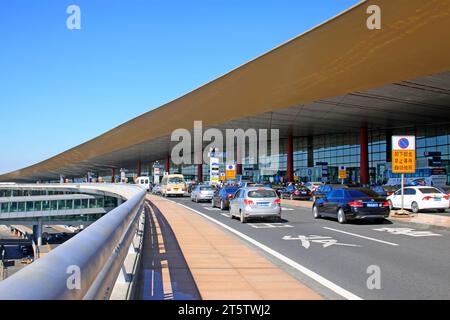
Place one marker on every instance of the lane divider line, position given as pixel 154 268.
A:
pixel 311 274
pixel 363 237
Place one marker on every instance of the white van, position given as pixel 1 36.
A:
pixel 173 185
pixel 144 182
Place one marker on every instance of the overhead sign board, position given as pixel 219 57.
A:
pixel 403 154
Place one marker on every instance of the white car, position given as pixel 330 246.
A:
pixel 420 198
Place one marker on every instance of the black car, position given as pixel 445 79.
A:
pixel 385 191
pixel 325 189
pixel 222 197
pixel 351 203
pixel 296 193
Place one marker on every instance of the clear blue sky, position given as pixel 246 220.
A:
pixel 60 88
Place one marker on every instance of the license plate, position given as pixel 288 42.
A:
pixel 372 205
pixel 303 192
pixel 437 199
pixel 263 204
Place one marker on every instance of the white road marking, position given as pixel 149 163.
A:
pixel 225 215
pixel 269 225
pixel 212 209
pixel 325 241
pixel 409 232
pixel 311 274
pixel 363 237
pixel 287 209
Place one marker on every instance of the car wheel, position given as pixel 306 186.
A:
pixel 222 207
pixel 316 213
pixel 391 206
pixel 243 219
pixel 212 203
pixel 415 207
pixel 341 216
pixel 441 210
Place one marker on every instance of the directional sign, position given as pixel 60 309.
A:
pixel 403 154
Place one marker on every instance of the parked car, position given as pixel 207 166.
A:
pixel 156 190
pixel 384 191
pixel 278 188
pixel 222 197
pixel 313 186
pixel 325 189
pixel 202 192
pixel 351 203
pixel 255 203
pixel 296 193
pixel 420 198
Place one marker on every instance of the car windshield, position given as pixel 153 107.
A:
pixel 362 193
pixel 206 188
pixel 176 180
pixel 262 194
pixel 429 190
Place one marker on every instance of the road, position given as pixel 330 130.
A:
pixel 338 261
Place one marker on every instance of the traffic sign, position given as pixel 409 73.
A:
pixel 230 172
pixel 342 172
pixel 403 154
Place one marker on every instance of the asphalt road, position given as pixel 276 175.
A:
pixel 413 262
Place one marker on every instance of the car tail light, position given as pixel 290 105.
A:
pixel 168 189
pixel 386 204
pixel 446 197
pixel 248 202
pixel 427 198
pixel 277 201
pixel 229 196
pixel 355 204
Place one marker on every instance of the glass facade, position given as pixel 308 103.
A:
pixel 343 149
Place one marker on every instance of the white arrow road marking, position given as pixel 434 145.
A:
pixel 363 237
pixel 309 273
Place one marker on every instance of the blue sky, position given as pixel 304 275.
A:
pixel 60 88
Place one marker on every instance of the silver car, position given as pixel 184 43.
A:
pixel 202 193
pixel 255 202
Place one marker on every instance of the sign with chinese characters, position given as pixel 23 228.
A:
pixel 230 172
pixel 342 172
pixel 403 154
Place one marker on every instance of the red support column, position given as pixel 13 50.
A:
pixel 113 175
pixel 167 164
pixel 290 159
pixel 364 156
pixel 139 168
pixel 200 173
pixel 239 169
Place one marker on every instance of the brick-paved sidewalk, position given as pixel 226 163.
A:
pixel 223 267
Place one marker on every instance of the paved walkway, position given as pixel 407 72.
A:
pixel 221 266
pixel 429 219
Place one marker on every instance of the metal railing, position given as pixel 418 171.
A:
pixel 84 267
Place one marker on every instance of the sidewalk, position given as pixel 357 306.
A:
pixel 429 219
pixel 222 267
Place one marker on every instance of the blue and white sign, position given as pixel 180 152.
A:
pixel 407 143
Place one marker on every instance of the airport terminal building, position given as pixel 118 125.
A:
pixel 337 94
